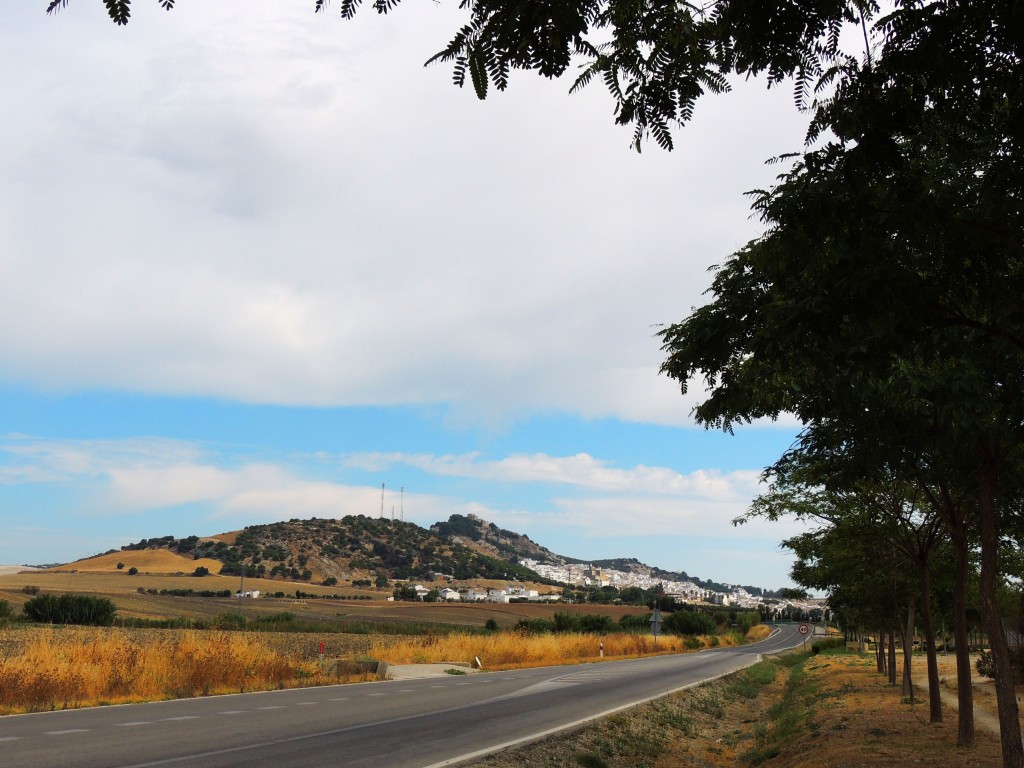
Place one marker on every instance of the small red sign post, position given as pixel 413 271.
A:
pixel 804 629
pixel 321 655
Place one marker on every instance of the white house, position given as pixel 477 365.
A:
pixel 449 594
pixel 474 595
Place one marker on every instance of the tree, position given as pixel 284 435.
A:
pixel 865 520
pixel 881 305
pixel 71 609
pixel 655 59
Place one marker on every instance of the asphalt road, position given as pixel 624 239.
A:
pixel 398 724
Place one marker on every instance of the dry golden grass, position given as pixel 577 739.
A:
pixel 758 632
pixel 146 560
pixel 60 668
pixel 513 650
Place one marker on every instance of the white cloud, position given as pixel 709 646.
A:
pixel 279 207
pixel 581 470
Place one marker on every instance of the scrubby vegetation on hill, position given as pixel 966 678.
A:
pixel 349 548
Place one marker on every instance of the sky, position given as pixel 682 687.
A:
pixel 257 263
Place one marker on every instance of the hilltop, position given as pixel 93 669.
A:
pixel 352 548
pixel 375 551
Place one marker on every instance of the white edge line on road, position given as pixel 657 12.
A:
pixel 576 724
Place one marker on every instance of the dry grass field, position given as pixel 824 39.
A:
pixel 45 668
pixel 152 561
pixel 123 590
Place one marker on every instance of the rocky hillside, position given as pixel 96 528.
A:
pixel 352 548
pixel 489 539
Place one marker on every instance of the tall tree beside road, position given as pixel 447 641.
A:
pixel 884 297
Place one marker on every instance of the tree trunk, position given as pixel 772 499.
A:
pixel 928 626
pixel 892 658
pixel 880 652
pixel 1006 697
pixel 964 689
pixel 908 653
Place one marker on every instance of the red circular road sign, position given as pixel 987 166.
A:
pixel 804 629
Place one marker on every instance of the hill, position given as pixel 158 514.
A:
pixel 488 538
pixel 154 561
pixel 366 550
pixel 319 550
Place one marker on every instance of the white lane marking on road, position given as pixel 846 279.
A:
pixel 306 703
pixel 132 724
pixel 378 694
pixel 407 690
pixel 276 706
pixel 232 712
pixel 9 738
pixel 339 698
pixel 183 717
pixel 69 730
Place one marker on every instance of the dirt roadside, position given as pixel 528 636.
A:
pixel 828 710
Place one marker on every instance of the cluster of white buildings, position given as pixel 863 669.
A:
pixel 589 576
pixel 509 594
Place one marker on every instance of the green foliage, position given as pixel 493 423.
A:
pixel 133 571
pixel 590 760
pixel 491 625
pixel 229 621
pixel 689 622
pixel 71 609
pixel 201 571
pixel 330 581
pixel 6 612
pixel 535 626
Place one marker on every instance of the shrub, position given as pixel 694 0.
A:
pixel 202 570
pixel 71 609
pixel 491 625
pixel 133 571
pixel 229 621
pixel 535 626
pixel 29 589
pixel 120 566
pixel 330 581
pixel 6 611
pixel 689 623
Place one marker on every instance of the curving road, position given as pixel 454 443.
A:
pixel 400 724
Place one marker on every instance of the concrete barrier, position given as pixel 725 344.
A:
pixel 352 667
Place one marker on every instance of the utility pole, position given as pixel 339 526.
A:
pixel 401 503
pixel 382 499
